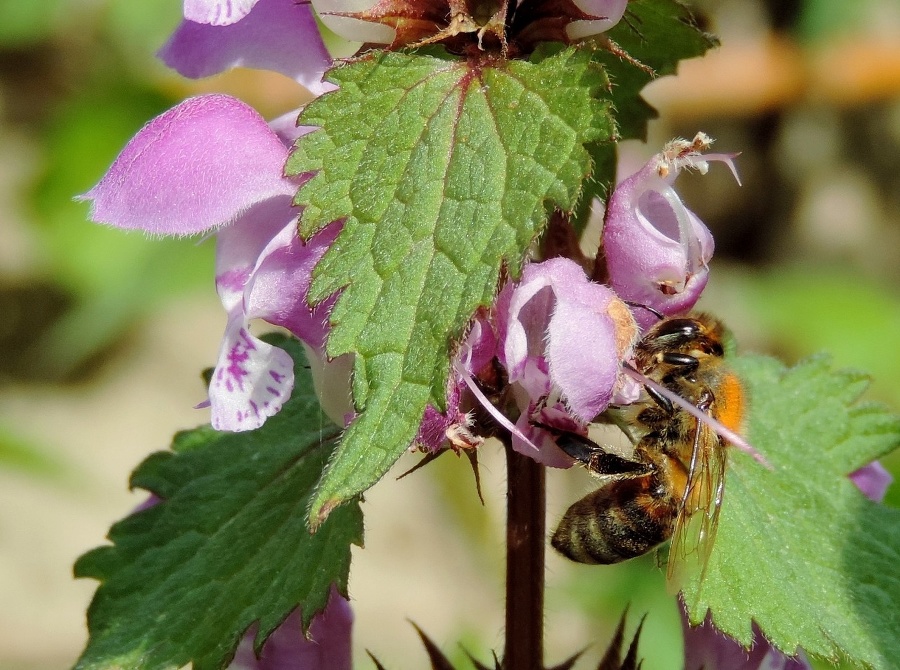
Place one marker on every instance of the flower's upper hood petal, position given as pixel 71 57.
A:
pixel 277 35
pixel 589 334
pixel 200 165
pixel 559 322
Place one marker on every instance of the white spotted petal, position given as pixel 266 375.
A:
pixel 217 12
pixel 252 379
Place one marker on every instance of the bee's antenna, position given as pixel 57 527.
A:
pixel 654 312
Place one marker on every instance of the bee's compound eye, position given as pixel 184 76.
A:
pixel 686 328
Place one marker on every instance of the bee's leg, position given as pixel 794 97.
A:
pixel 664 403
pixel 624 518
pixel 682 365
pixel 597 459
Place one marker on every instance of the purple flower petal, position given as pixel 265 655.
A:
pixel 217 12
pixel 328 646
pixel 562 328
pixel 541 444
pixel 588 336
pixel 873 480
pixel 264 274
pixel 285 126
pixel 562 341
pixel 438 430
pixel 200 165
pixel 280 285
pixel 277 35
pixel 657 250
pixel 706 647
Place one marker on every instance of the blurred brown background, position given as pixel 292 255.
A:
pixel 104 334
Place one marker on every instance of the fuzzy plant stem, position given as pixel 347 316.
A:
pixel 525 530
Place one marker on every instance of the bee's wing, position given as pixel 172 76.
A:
pixel 698 518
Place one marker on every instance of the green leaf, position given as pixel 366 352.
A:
pixel 800 550
pixel 658 34
pixel 444 172
pixel 227 546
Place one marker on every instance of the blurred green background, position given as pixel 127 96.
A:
pixel 104 333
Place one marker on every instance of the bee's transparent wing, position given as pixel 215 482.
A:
pixel 698 519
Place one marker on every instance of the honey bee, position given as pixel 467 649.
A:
pixel 672 486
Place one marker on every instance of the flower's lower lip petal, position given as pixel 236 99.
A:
pixel 278 35
pixel 251 382
pixel 217 12
pixel 541 446
pixel 200 165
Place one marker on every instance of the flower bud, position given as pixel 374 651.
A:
pixel 348 18
pixel 611 12
pixel 657 250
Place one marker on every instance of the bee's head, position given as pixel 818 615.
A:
pixel 696 334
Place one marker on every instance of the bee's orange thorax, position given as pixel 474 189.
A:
pixel 731 402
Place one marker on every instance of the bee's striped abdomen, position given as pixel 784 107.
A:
pixel 621 520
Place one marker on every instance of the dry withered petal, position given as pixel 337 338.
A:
pixel 469 25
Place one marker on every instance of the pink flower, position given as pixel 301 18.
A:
pixel 203 164
pixel 873 480
pixel 560 329
pixel 278 35
pixel 327 646
pixel 212 163
pixel 708 648
pixel 561 339
pixel 657 250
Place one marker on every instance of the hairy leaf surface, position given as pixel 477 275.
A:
pixel 657 34
pixel 443 171
pixel 800 549
pixel 226 546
